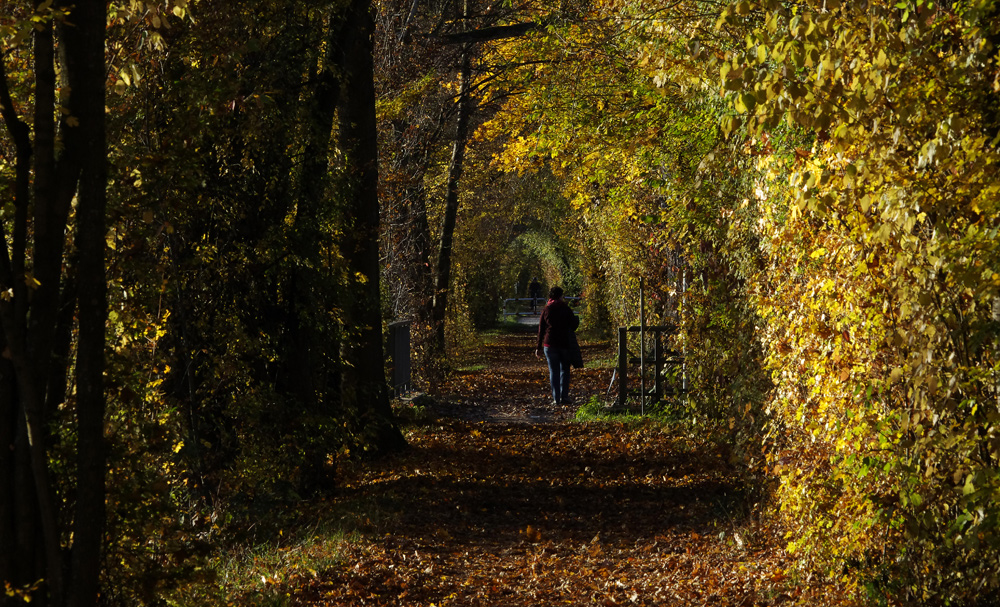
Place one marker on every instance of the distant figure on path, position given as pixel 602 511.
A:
pixel 534 292
pixel 556 337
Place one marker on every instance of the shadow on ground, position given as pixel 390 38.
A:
pixel 504 501
pixel 568 483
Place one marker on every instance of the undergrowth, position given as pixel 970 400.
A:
pixel 290 548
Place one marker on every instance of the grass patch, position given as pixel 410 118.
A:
pixel 596 409
pixel 507 326
pixel 605 362
pixel 415 411
pixel 266 574
pixel 296 546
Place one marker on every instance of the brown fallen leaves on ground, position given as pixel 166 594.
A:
pixel 509 503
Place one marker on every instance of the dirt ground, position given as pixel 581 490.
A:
pixel 503 499
pixel 510 384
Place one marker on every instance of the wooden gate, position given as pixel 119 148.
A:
pixel 666 364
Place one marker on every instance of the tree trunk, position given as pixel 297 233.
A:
pixel 83 61
pixel 34 380
pixel 420 246
pixel 363 384
pixel 442 276
pixel 16 534
pixel 407 233
pixel 307 352
pixel 29 323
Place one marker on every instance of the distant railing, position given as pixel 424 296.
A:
pixel 527 306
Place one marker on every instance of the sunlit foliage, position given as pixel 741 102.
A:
pixel 827 173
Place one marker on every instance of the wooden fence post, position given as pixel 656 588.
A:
pixel 622 365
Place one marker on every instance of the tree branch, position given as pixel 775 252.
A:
pixel 489 34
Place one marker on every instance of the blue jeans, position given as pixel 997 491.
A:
pixel 559 366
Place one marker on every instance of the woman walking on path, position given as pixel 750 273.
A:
pixel 555 337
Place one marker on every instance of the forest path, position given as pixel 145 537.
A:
pixel 509 383
pixel 505 501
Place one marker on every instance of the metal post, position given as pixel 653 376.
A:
pixel 399 340
pixel 684 377
pixel 996 317
pixel 642 346
pixel 657 365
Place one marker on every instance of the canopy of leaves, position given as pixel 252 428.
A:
pixel 808 191
pixel 827 173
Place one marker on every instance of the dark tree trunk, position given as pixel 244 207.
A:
pixel 442 276
pixel 363 384
pixel 306 355
pixel 37 320
pixel 83 60
pixel 30 331
pixel 16 534
pixel 8 420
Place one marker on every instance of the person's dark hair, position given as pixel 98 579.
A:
pixel 555 292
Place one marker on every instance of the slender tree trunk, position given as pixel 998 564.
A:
pixel 420 245
pixel 306 355
pixel 29 334
pixel 8 469
pixel 55 184
pixel 34 380
pixel 407 238
pixel 16 533
pixel 8 421
pixel 442 276
pixel 363 383
pixel 83 60
pixel 31 442
pixel 28 557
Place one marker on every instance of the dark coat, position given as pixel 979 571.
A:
pixel 556 325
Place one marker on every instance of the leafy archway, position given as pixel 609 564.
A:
pixel 544 255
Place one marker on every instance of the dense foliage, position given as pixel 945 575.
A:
pixel 242 196
pixel 827 173
pixel 881 320
pixel 241 276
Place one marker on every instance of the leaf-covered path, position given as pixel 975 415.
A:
pixel 488 509
pixel 511 384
